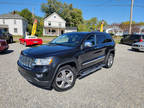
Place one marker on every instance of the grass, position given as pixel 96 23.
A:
pixel 47 39
pixel 117 39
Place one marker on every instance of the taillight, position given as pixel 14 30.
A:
pixel 141 40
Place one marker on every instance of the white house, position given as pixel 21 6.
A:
pixel 15 24
pixel 114 30
pixel 54 25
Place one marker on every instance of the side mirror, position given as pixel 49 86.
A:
pixel 87 44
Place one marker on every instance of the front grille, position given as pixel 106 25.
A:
pixel 26 61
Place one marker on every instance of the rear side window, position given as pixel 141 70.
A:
pixel 134 37
pixel 103 38
pixel 108 38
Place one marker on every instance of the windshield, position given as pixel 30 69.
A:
pixel 68 40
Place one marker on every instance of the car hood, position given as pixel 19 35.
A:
pixel 46 50
pixel 139 43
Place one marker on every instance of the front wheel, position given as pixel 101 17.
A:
pixel 64 79
pixel 109 61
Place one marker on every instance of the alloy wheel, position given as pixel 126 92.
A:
pixel 64 79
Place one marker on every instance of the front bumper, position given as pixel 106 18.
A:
pixel 31 76
pixel 138 48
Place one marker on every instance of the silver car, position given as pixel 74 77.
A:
pixel 138 46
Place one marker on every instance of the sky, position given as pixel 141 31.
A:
pixel 113 11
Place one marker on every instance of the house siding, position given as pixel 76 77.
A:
pixel 19 26
pixel 54 23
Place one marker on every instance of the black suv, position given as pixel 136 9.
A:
pixel 5 35
pixel 130 39
pixel 68 57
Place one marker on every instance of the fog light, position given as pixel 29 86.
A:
pixel 39 75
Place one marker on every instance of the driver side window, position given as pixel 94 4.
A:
pixel 91 39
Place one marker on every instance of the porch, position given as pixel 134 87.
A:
pixel 53 31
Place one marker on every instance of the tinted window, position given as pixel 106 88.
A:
pixel 91 39
pixel 108 38
pixel 100 38
pixel 135 37
pixel 103 38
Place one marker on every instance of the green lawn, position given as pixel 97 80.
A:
pixel 46 39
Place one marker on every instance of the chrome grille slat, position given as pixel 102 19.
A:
pixel 26 61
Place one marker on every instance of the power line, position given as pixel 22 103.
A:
pixel 17 3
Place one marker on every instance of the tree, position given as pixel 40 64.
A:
pixel 92 24
pixel 28 16
pixel 73 16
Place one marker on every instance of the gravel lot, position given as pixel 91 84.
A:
pixel 122 86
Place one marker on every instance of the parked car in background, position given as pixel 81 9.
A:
pixel 130 39
pixel 3 45
pixel 4 34
pixel 30 40
pixel 138 46
pixel 68 57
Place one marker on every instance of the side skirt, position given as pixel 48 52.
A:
pixel 90 71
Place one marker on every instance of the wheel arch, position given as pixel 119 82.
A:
pixel 69 62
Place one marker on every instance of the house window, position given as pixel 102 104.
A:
pixel 49 23
pixel 49 30
pixel 53 31
pixel 3 21
pixel 54 16
pixel 14 21
pixel 15 30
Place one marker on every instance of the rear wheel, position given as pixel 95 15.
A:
pixel 109 61
pixel 64 79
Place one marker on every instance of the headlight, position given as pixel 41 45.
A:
pixel 44 61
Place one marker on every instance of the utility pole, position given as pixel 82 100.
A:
pixel 131 14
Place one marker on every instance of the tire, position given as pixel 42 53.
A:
pixel 11 40
pixel 109 60
pixel 64 79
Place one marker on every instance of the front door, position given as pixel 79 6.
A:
pixel 91 55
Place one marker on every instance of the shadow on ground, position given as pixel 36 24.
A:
pixel 132 50
pixel 6 52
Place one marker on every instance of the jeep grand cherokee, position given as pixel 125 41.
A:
pixel 68 57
